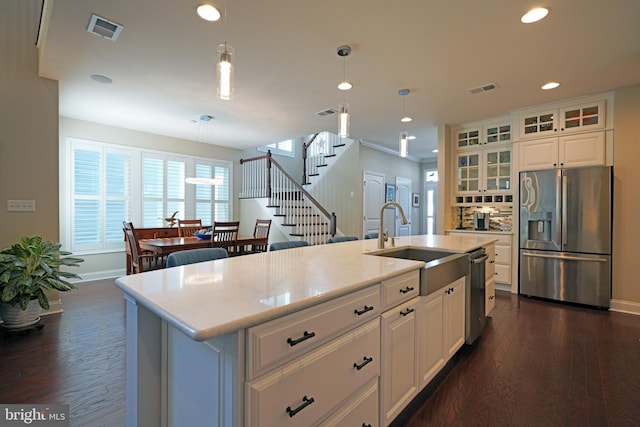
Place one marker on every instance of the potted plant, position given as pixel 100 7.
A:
pixel 28 269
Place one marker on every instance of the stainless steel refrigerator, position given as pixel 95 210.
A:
pixel 565 234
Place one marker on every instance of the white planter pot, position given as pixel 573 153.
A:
pixel 14 318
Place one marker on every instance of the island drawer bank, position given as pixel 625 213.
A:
pixel 187 328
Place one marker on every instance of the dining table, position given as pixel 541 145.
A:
pixel 166 245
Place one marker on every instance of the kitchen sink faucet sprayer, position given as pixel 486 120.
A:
pixel 382 235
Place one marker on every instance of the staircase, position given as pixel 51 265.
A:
pixel 298 211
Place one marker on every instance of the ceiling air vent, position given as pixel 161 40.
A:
pixel 104 28
pixel 483 88
pixel 326 112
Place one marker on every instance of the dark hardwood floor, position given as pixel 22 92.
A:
pixel 536 364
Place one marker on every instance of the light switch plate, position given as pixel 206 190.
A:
pixel 21 205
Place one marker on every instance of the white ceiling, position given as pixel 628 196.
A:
pixel 287 68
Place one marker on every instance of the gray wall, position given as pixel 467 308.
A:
pixel 28 127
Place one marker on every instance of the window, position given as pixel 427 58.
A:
pixel 431 200
pixel 283 148
pixel 99 196
pixel 103 187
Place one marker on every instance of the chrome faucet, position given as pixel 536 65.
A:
pixel 382 235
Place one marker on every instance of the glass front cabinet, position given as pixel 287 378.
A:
pixel 576 118
pixel 484 176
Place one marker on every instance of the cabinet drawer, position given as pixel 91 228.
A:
pixel 503 254
pixel 400 288
pixel 276 342
pixel 308 389
pixel 360 410
pixel 503 274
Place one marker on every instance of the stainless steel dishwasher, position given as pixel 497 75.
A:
pixel 475 300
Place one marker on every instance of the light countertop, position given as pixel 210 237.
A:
pixel 212 298
pixel 470 230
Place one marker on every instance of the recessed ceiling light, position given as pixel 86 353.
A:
pixel 406 119
pixel 101 79
pixel 434 151
pixel 550 85
pixel 345 85
pixel 534 15
pixel 411 137
pixel 208 12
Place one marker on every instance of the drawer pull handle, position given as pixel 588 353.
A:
pixel 305 402
pixel 364 310
pixel 407 311
pixel 407 289
pixel 304 336
pixel 365 361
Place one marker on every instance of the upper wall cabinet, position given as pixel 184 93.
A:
pixel 568 151
pixel 575 118
pixel 467 137
pixel 497 133
pixel 473 136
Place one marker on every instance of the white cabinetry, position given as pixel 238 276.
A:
pixel 441 328
pixel 490 280
pixel 585 149
pixel 483 163
pixel 484 176
pixel 303 367
pixel 553 121
pixel 309 388
pixel 399 381
pixel 431 343
pixel 399 375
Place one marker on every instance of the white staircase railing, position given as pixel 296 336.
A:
pixel 263 177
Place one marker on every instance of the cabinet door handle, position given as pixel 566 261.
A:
pixel 365 361
pixel 407 289
pixel 407 311
pixel 305 402
pixel 304 336
pixel 366 425
pixel 363 311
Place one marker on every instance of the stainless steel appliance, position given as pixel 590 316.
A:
pixel 481 221
pixel 475 300
pixel 565 234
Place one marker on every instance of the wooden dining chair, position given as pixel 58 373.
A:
pixel 225 235
pixel 187 227
pixel 141 261
pixel 261 231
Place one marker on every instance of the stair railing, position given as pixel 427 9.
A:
pixel 264 177
pixel 316 152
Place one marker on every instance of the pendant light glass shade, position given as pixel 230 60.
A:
pixel 224 71
pixel 403 144
pixel 343 125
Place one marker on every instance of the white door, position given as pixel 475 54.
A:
pixel 403 197
pixel 373 199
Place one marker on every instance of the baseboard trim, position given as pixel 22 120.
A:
pixel 628 307
pixel 99 275
pixel 54 307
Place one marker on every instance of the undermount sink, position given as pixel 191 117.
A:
pixel 441 267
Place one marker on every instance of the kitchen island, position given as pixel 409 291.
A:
pixel 206 346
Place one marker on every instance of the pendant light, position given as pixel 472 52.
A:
pixel 403 144
pixel 224 68
pixel 404 149
pixel 343 117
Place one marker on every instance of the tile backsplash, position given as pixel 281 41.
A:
pixel 500 218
